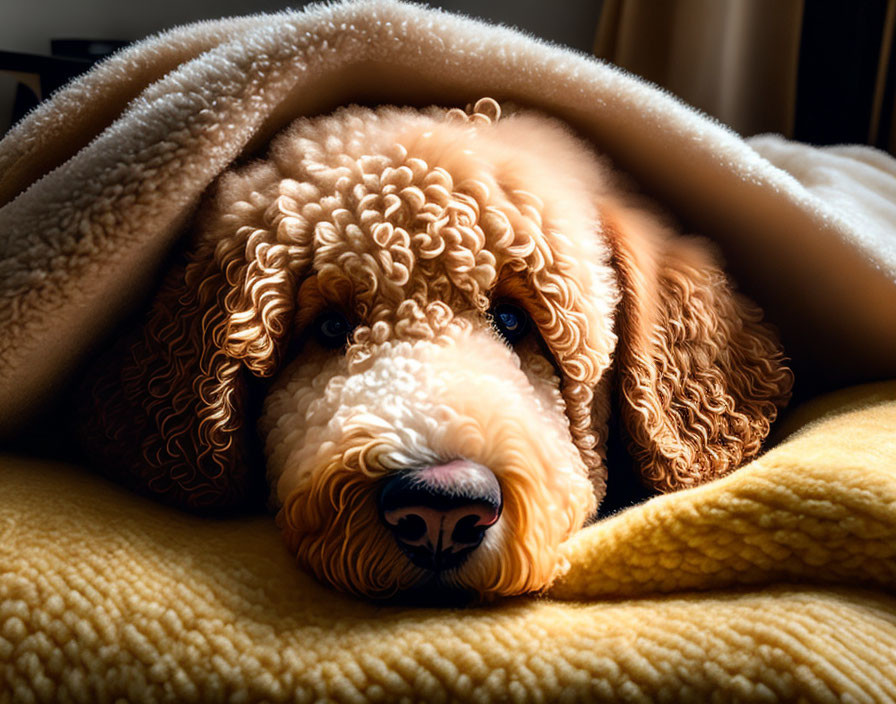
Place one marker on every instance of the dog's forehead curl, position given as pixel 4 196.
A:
pixel 393 211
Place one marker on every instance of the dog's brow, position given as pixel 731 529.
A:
pixel 310 300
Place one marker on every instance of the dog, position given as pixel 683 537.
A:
pixel 426 319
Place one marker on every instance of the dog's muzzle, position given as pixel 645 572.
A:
pixel 439 514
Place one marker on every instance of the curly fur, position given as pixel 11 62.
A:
pixel 412 223
pixel 701 376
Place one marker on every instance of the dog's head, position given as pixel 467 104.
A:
pixel 440 302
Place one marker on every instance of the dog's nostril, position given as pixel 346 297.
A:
pixel 410 527
pixel 468 530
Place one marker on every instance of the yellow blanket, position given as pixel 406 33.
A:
pixel 771 584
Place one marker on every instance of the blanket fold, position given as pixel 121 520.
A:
pixel 104 595
pixel 820 507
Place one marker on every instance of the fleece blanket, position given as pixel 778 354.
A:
pixel 771 584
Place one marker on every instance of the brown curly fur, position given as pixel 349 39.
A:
pixel 414 223
pixel 701 377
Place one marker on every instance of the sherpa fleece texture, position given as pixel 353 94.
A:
pixel 774 584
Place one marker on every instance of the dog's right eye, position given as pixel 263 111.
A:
pixel 511 321
pixel 332 330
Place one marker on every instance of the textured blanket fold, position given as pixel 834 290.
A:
pixel 773 584
pixel 104 595
pixel 819 507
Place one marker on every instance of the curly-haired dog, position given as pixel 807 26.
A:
pixel 440 300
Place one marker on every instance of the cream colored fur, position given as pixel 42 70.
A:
pixel 450 205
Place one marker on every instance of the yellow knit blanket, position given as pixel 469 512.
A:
pixel 771 584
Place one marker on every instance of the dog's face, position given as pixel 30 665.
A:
pixel 437 298
pixel 454 303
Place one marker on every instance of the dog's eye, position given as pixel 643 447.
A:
pixel 332 330
pixel 511 321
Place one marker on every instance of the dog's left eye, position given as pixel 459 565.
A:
pixel 511 321
pixel 332 330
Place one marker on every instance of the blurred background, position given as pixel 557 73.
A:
pixel 820 71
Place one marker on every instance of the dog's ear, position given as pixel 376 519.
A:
pixel 168 407
pixel 700 377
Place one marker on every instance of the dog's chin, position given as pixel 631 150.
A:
pixel 400 583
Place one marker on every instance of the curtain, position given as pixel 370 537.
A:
pixel 820 71
pixel 734 59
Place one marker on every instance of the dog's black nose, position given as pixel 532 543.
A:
pixel 439 514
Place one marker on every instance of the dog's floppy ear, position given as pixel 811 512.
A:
pixel 701 378
pixel 168 406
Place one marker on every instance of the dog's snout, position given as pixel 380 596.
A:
pixel 440 514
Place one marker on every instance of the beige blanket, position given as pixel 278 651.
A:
pixel 771 584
